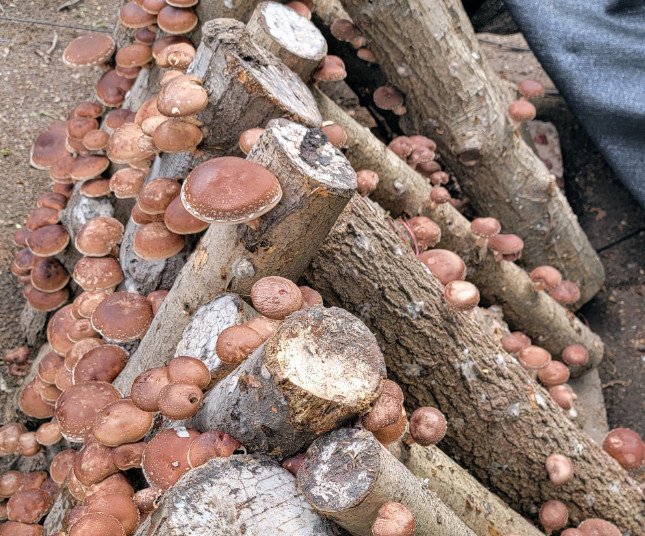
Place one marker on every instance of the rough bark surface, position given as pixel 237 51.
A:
pixel 402 191
pixel 348 475
pixel 62 504
pixel 200 335
pixel 502 425
pixel 321 368
pixel 453 97
pixel 484 512
pixel 236 496
pixel 289 36
pixel 32 325
pixel 590 411
pixel 317 182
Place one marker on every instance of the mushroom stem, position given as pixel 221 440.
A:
pixel 348 475
pixel 403 191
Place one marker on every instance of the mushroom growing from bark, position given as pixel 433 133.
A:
pixel 276 297
pixel 461 295
pixel 165 458
pixel 554 515
pixel 331 69
pixel 560 469
pixel 394 519
pixel 122 316
pixel 626 447
pixel 428 426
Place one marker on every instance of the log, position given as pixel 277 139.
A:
pixel 453 97
pixel 502 425
pixel 56 518
pixel 241 495
pixel 348 475
pixel 403 191
pixel 317 182
pixel 289 36
pixel 320 369
pixel 484 512
pixel 589 408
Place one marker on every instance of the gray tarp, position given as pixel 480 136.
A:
pixel 594 51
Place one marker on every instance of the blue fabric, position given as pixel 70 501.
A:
pixel 594 51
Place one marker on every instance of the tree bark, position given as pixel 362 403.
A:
pixel 348 475
pixel 200 335
pixel 317 182
pixel 402 191
pixel 502 425
pixel 484 512
pixel 321 368
pixel 453 97
pixel 237 496
pixel 288 36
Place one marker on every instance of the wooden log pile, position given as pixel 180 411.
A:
pixel 250 315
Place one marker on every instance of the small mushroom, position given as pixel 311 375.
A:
pixel 555 373
pixel 331 69
pixel 515 342
pixel 366 181
pixel 128 455
pixel 394 519
pixel 575 355
pixel 388 97
pixel 427 426
pixel 598 527
pixel 345 30
pixel 276 297
pixel 147 386
pixel 626 447
pixel 249 138
pixel 180 400
pixel 189 370
pixel 554 515
pixel 461 295
pixel 521 111
pixel 545 277
pixel 531 89
pixel 235 343
pixel 534 358
pixel 560 469
pixel 566 293
pixel 506 247
pixel 99 236
pixel 209 445
pixel 445 265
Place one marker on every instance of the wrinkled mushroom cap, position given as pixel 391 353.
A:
pixel 230 190
pixel 427 426
pixel 276 297
pixel 626 447
pixel 554 515
pixel 88 50
pixel 78 407
pixel 123 316
pixel 394 519
pixel 560 469
pixel 122 422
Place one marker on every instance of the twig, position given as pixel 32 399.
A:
pixel 69 4
pixel 612 383
pixel 53 45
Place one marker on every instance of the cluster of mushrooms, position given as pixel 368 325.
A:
pixel 70 392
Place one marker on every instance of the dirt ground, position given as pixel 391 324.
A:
pixel 37 88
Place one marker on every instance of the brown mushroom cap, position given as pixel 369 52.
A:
pixel 116 483
pixel 63 189
pixel 190 370
pixel 521 110
pixel 445 265
pixel 276 297
pixel 23 262
pixel 563 396
pixel 265 327
pixel 209 445
pixel 132 15
pixel 48 274
pixel 560 469
pixel 31 403
pixel 61 465
pixel 78 126
pixel 141 218
pixel 249 138
pixel 554 515
pixel 394 519
pixel 128 143
pixel 180 400
pixel 366 181
pixel 182 96
pixel 331 69
pixel 97 524
pixel 626 447
pixel 20 237
pixel 147 386
pixel 120 507
pixel 79 349
pixel 86 302
pixel 506 244
pixel 81 329
pixel 103 364
pixel 310 297
pixel 165 459
pixel 177 136
pixel 90 49
pixel 28 445
pixel 115 118
pixel 154 241
pixel 111 88
pixel 534 357
pixel 14 528
pixel 387 97
pixel 176 56
pixel 336 135
pixel 428 426
pixel 345 30
pixel 426 232
pixel 179 221
pixel 40 217
pixel 94 463
pixel 157 194
pixel 235 343
pixel 129 455
pixel 45 301
pixel 485 227
pixel 99 236
pixel 49 433
pixel 598 527
pixel 48 240
pixel 386 410
pixel 531 89
pixel 96 188
pixel 97 273
pixel 48 367
pixel 133 55
pixel 122 316
pixel 545 277
pixel 10 483
pixel 57 328
pixel 122 422
pixel 156 298
pixel 555 373
pixel 78 407
pixel 28 506
pixel 127 183
pixel 575 355
pixel 147 499
pixel 9 435
pixel 95 140
pixel 176 21
pixel 230 190
pixel 49 146
pixel 566 293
